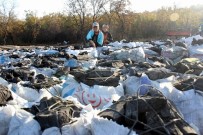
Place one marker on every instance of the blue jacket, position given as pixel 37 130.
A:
pixel 100 38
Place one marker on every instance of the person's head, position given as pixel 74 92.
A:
pixel 105 27
pixel 95 26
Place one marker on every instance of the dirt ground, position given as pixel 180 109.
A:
pixel 31 46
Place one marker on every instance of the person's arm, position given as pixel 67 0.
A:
pixel 100 39
pixel 110 38
pixel 89 38
pixel 92 44
pixel 89 35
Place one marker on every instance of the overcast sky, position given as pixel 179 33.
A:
pixel 43 7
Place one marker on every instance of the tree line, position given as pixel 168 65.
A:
pixel 73 24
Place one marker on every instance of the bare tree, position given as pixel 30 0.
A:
pixel 108 11
pixel 119 8
pixel 32 26
pixel 98 8
pixel 7 16
pixel 78 10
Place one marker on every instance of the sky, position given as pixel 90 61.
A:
pixel 150 5
pixel 43 7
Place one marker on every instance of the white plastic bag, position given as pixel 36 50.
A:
pixel 4 59
pixel 136 54
pixel 189 103
pixel 55 90
pixel 118 45
pixel 101 126
pixel 131 85
pixel 3 82
pixel 150 52
pixel 43 93
pixel 18 101
pixel 22 123
pixel 52 131
pixel 83 124
pixel 70 86
pixel 6 113
pixel 94 53
pixel 98 96
pixel 189 40
pixel 26 93
pixel 88 64
pixel 175 53
pixel 81 127
pixel 45 71
pixel 196 52
pixel 46 52
pixel 71 63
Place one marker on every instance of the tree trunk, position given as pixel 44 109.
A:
pixel 5 37
pixel 83 36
